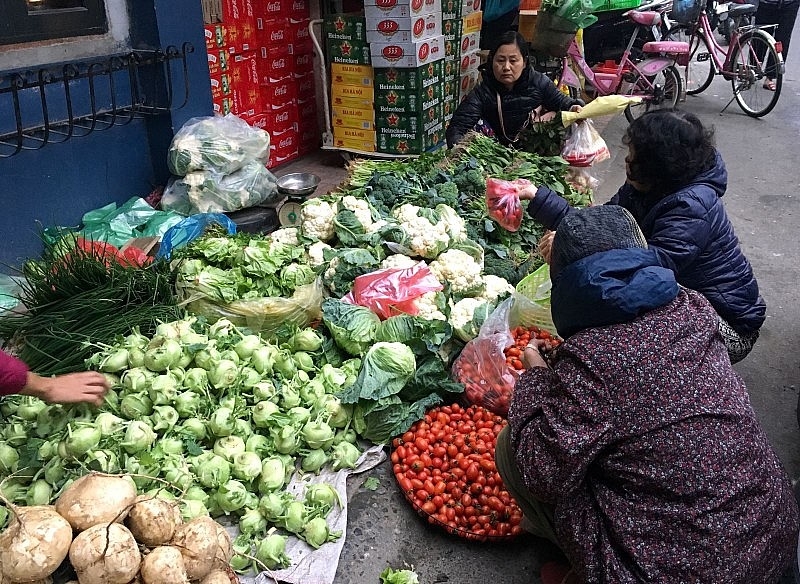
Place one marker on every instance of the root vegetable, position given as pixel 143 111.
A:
pixel 224 548
pixel 95 499
pixel 216 577
pixel 197 541
pixel 34 544
pixel 105 554
pixel 164 565
pixel 153 520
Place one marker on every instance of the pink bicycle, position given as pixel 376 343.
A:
pixel 652 76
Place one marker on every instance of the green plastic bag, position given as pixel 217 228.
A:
pixel 136 218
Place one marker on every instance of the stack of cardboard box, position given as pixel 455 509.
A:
pixel 470 52
pixel 352 82
pixel 260 56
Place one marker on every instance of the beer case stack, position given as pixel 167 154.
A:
pixel 407 52
pixel 285 57
pixel 352 82
pixel 469 47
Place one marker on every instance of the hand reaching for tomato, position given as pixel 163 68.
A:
pixel 521 356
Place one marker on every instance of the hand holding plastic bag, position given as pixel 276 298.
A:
pixel 502 200
pixel 604 105
pixel 584 146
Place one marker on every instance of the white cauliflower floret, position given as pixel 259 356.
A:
pixel 460 270
pixel 426 239
pixel 330 274
pixel 462 317
pixel 316 253
pixel 495 287
pixel 427 307
pixel 316 219
pixel 398 260
pixel 360 208
pixel 455 226
pixel 287 235
pixel 377 225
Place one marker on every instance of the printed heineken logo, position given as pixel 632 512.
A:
pixel 391 75
pixel 431 70
pixel 392 97
pixel 402 146
pixel 345 48
pixel 448 27
pixel 431 114
pixel 393 119
pixel 339 24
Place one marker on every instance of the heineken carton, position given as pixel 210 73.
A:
pixel 411 142
pixel 346 27
pixel 410 79
pixel 347 51
pixel 391 100
pixel 395 123
pixel 451 9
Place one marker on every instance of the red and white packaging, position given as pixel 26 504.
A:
pixel 244 80
pixel 280 120
pixel 274 33
pixel 299 10
pixel 305 86
pixel 300 35
pixel 272 9
pixel 309 137
pixel 276 95
pixel 274 65
pixel 307 110
pixel 282 147
pixel 303 64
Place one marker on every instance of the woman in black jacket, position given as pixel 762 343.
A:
pixel 509 91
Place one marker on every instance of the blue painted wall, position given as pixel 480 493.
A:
pixel 57 184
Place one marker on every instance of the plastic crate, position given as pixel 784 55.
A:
pixel 618 5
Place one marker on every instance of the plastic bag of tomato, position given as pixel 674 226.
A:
pixel 444 464
pixel 489 366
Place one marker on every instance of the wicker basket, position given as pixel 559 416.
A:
pixel 553 35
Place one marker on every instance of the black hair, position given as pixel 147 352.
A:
pixel 511 37
pixel 670 148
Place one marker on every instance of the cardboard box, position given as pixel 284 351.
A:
pixel 355 102
pixel 470 62
pixel 283 147
pixel 360 92
pixel 408 102
pixel 302 64
pixel 147 245
pixel 400 8
pixel 221 86
pixel 218 62
pixel 273 33
pixel 471 42
pixel 470 6
pixel 527 23
pixel 451 67
pixel 305 87
pixel 222 106
pixel 309 137
pixel 345 27
pixel 276 95
pixel 299 34
pixel 354 139
pixel 307 110
pixel 451 9
pixel 216 37
pixel 468 81
pixel 340 121
pixel 471 22
pixel 274 65
pixel 272 9
pixel 452 49
pixel 409 79
pixel 411 54
pixel 345 51
pixel 344 74
pixel 405 29
pixel 410 142
pixel 417 123
pixel 299 9
pixel 244 79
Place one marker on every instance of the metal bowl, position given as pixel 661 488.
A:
pixel 298 183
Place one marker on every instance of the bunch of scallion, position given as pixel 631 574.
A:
pixel 78 297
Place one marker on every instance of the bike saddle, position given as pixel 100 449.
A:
pixel 735 10
pixel 646 18
pixel 677 47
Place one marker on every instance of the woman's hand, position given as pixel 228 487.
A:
pixel 527 193
pixel 532 356
pixel 85 386
pixel 546 245
pixel 575 108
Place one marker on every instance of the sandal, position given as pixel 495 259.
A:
pixel 769 84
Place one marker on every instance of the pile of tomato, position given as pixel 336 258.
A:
pixel 522 336
pixel 445 466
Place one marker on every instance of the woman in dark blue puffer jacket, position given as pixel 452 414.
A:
pixel 676 180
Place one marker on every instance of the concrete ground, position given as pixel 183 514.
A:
pixel 763 200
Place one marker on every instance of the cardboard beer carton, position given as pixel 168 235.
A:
pixel 407 55
pixel 404 29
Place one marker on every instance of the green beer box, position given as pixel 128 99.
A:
pixel 450 87
pixel 394 123
pixel 346 27
pixel 391 100
pixel 451 9
pixel 408 80
pixel 451 29
pixel 411 142
pixel 349 52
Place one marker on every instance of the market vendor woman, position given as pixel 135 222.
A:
pixel 510 90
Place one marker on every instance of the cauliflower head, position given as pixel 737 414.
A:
pixel 495 288
pixel 426 238
pixel 428 307
pixel 398 260
pixel 455 226
pixel 316 253
pixel 316 219
pixel 360 208
pixel 467 315
pixel 460 271
pixel 287 235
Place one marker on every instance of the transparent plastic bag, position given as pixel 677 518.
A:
pixel 393 291
pixel 220 143
pixel 208 191
pixel 584 146
pixel 190 229
pixel 502 200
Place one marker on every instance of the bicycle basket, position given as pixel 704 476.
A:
pixel 553 35
pixel 686 11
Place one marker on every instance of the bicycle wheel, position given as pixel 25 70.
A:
pixel 754 59
pixel 662 90
pixel 700 69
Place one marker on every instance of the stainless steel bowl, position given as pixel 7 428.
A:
pixel 298 183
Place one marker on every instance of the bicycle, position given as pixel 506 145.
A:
pixel 654 77
pixel 752 57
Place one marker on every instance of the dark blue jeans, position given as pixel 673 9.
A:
pixel 783 14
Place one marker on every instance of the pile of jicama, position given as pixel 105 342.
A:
pixel 110 535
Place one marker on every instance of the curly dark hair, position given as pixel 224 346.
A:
pixel 669 149
pixel 511 37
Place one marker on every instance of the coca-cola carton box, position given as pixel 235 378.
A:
pixel 302 64
pixel 404 29
pixel 410 54
pixel 274 32
pixel 282 147
pixel 307 109
pixel 276 95
pixel 272 9
pixel 306 87
pixel 282 119
pixel 274 65
pixel 244 79
pixel 308 136
pixel 299 33
pixel 239 19
pixel 299 10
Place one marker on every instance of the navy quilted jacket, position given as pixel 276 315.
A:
pixel 691 234
pixel 530 91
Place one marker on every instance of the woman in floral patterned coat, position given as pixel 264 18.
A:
pixel 638 451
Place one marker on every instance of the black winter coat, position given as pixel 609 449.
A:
pixel 530 91
pixel 691 234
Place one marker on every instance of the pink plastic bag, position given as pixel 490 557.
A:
pixel 502 200
pixel 393 291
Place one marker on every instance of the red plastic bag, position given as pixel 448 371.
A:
pixel 502 199
pixel 584 146
pixel 393 291
pixel 481 366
